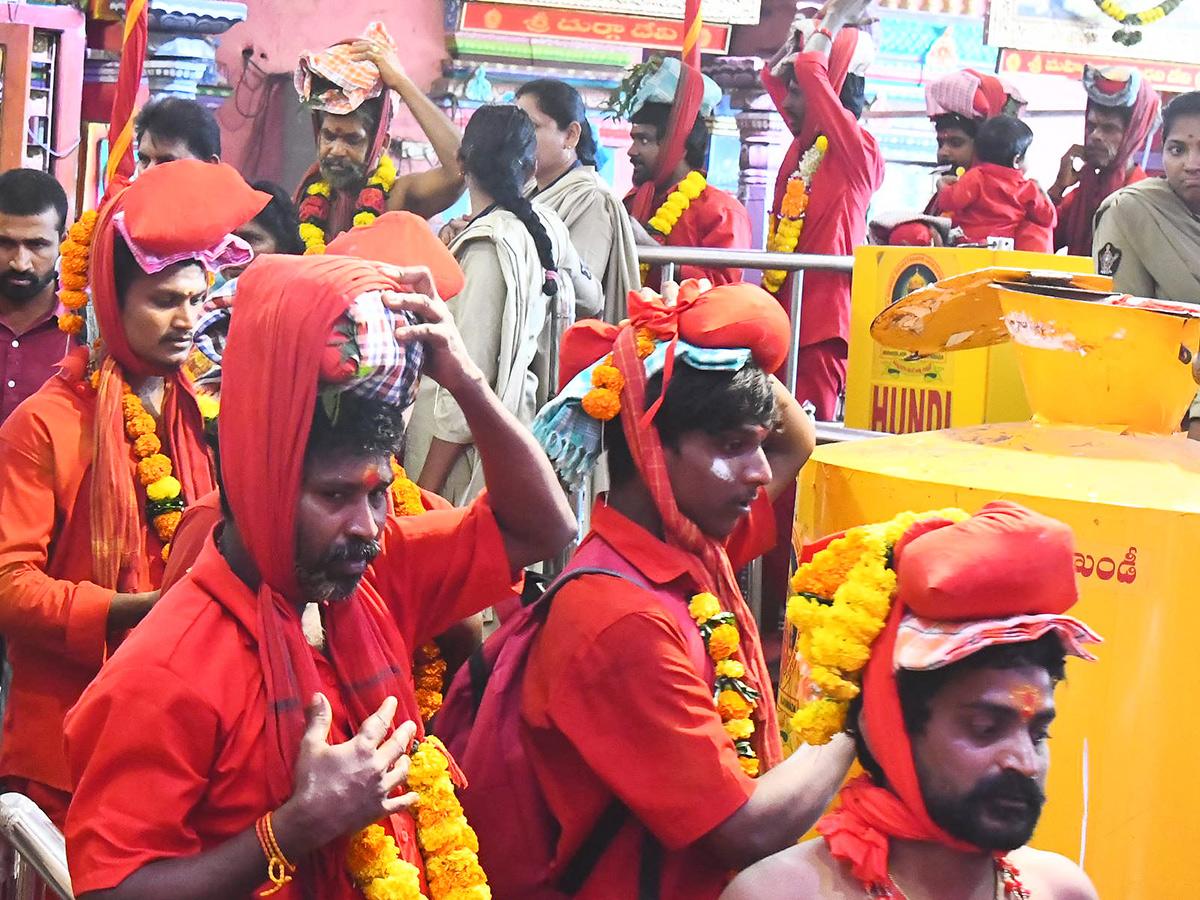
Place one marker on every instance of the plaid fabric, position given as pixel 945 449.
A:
pixel 964 93
pixel 923 644
pixel 382 368
pixel 356 81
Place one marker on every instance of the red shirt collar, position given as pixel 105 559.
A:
pixel 657 560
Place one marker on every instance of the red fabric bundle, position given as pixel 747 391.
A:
pixel 403 239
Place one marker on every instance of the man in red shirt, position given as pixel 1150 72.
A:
pixel 618 700
pixel 819 92
pixel 663 166
pixel 1121 117
pixel 96 465
pixel 227 745
pixel 33 217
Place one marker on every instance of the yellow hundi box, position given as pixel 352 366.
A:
pixel 886 390
pixel 1109 377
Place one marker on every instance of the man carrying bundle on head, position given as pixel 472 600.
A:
pixel 671 197
pixel 348 86
pixel 256 733
pixel 956 702
pixel 96 466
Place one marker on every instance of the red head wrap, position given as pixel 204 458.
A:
pixel 402 239
pixel 183 209
pixel 1004 561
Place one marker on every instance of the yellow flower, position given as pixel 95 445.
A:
pixel 427 765
pixel 731 668
pixel 402 882
pixel 817 722
pixel 739 729
pixel 608 377
pixel 822 143
pixel 385 174
pixel 601 403
pixel 732 705
pixel 154 467
pixel 457 869
pixel 318 188
pixel 723 642
pixel 210 406
pixel 749 765
pixel 163 489
pixel 703 607
pixel 660 224
pixel 832 685
pixel 363 219
pixel 448 834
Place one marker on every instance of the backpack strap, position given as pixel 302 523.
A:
pixel 580 866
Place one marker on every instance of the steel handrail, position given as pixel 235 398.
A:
pixel 38 843
pixel 744 259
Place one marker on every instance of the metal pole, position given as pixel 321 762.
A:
pixel 38 844
pixel 795 307
pixel 668 272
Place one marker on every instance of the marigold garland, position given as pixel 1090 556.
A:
pixel 1114 10
pixel 603 401
pixel 74 271
pixel 841 601
pixel 663 222
pixel 788 225
pixel 448 844
pixel 734 698
pixel 317 204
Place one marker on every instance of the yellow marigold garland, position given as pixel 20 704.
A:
pixel 840 603
pixel 448 843
pixel 785 228
pixel 314 224
pixel 734 698
pixel 663 222
pixel 603 401
pixel 74 276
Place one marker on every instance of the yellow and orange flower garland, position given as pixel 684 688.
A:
pixel 786 228
pixel 74 275
pixel 603 401
pixel 663 222
pixel 735 699
pixel 448 844
pixel 371 203
pixel 841 601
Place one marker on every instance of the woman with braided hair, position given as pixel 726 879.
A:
pixel 519 262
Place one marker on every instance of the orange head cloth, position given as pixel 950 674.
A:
pixel 285 314
pixel 180 210
pixel 730 316
pixel 402 239
pixel 1003 561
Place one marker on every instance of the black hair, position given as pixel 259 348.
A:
pixel 1002 140
pixel 708 400
pixel 562 103
pixel 499 151
pixel 854 94
pixel 1183 105
pixel 969 127
pixel 353 425
pixel 126 269
pixel 658 115
pixel 30 192
pixel 179 119
pixel 1124 113
pixel 280 219
pixel 917 689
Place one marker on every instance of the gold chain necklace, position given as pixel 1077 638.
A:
pixel 1004 887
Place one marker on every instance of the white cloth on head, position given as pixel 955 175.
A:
pixel 660 85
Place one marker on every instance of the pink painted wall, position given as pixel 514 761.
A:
pixel 279 31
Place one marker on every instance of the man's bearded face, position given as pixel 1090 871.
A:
pixel 342 147
pixel 982 757
pixel 1103 131
pixel 339 519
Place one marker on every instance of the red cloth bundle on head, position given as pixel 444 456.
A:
pixel 972 95
pixel 1003 562
pixel 181 210
pixel 286 310
pixel 729 316
pixel 403 239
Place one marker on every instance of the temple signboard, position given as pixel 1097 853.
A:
pixel 1173 77
pixel 728 12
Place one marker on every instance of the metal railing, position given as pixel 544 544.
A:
pixel 33 851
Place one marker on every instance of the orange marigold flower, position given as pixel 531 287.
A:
pixel 140 424
pixel 166 552
pixel 73 281
pixel 739 729
pixel 732 705
pixel 153 467
pixel 165 525
pixel 70 324
pixel 723 642
pixel 428 681
pixel 369 852
pixel 605 376
pixel 749 765
pixel 601 403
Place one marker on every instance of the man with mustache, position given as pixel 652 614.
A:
pixel 96 465
pixel 951 725
pixel 349 88
pixel 33 216
pixel 229 748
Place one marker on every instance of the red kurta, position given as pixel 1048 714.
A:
pixel 614 706
pixel 991 200
pixel 714 219
pixel 1061 237
pixel 53 615
pixel 167 746
pixel 836 219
